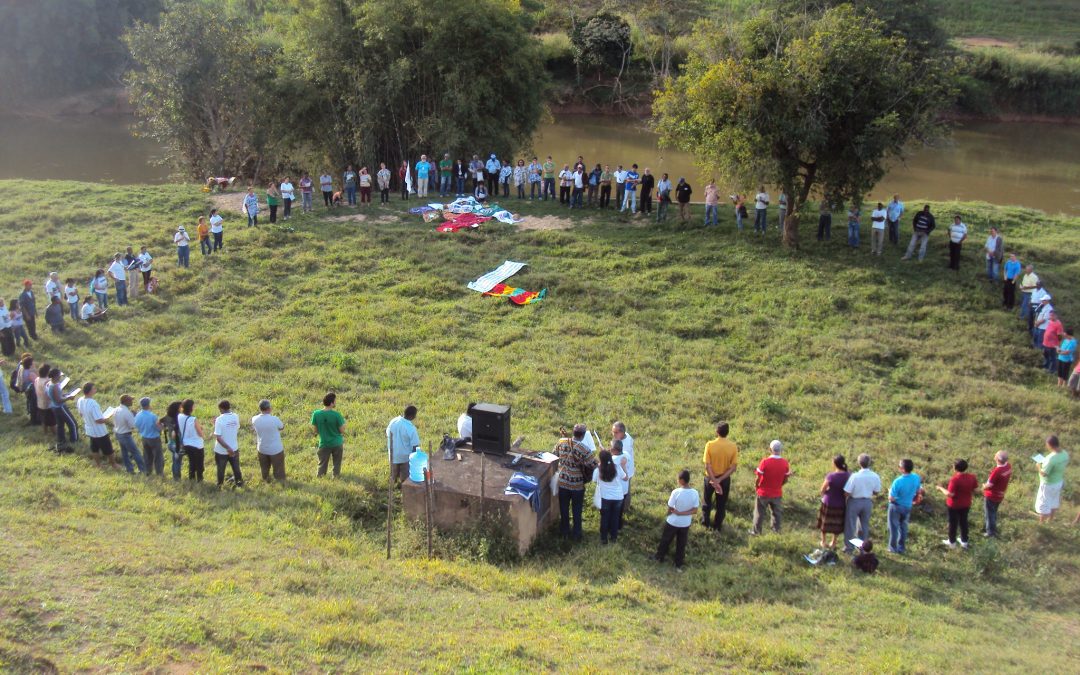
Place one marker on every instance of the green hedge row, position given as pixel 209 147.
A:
pixel 997 81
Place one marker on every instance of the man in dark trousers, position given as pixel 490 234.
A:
pixel 923 224
pixel 721 459
pixel 29 308
pixel 648 182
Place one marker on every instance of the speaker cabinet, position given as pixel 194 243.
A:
pixel 491 428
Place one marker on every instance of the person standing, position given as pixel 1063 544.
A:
pixel 521 177
pixel 630 189
pixel 217 230
pixel 620 185
pixel 721 458
pixel 575 460
pixel 402 440
pixel 619 433
pixel 146 266
pixel 566 179
pixel 18 324
pixel 576 200
pixel 878 219
pixel 536 180
pixel 326 185
pixel 831 512
pixel 71 295
pixel 307 187
pixel 1012 273
pixel 1052 333
pixel 682 196
pixel 94 426
pixel 549 178
pixel 609 478
pixel 647 183
pixel 118 273
pixel 433 175
pixel 423 167
pixel 902 493
pixel 761 206
pixel 772 473
pixel 191 436
pixel 7 335
pixel 493 167
pixel 994 492
pixel 29 307
pixel 782 202
pixel 1051 480
pixel 54 316
pixel 995 251
pixel 349 178
pixel 268 445
pixel 44 403
pixel 149 428
pixel 923 224
pixel 663 198
pixel 52 285
pixel 288 194
pixel 5 394
pixel 203 232
pixel 383 178
pixel 594 184
pixel 365 185
pixel 681 507
pixel 712 206
pixel 741 214
pixel 853 225
pixel 860 490
pixel 957 236
pixel 1066 355
pixel 173 441
pixel 25 382
pixel 894 211
pixel 505 174
pixel 958 494
pixel 403 179
pixel 226 444
pixel 100 286
pixel 124 427
pixel 824 221
pixel 444 175
pixel 329 424
pixel 273 200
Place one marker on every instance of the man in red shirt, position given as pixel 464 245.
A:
pixel 772 473
pixel 994 492
pixel 1052 332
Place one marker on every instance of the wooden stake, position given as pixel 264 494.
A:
pixel 389 494
pixel 428 497
pixel 482 481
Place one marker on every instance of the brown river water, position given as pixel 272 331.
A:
pixel 1027 164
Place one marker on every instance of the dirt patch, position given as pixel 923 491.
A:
pixel 360 218
pixel 228 202
pixel 986 42
pixel 545 223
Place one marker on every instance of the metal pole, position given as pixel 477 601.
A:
pixel 482 481
pixel 389 493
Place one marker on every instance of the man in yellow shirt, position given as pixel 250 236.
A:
pixel 721 459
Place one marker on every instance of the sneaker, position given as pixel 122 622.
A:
pixel 752 533
pixel 964 545
pixel 948 543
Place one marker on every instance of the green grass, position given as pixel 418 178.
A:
pixel 1013 20
pixel 667 328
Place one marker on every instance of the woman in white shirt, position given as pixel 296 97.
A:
pixel 191 438
pixel 288 193
pixel 100 286
pixel 146 265
pixel 609 478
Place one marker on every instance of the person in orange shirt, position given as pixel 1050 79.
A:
pixel 203 231
pixel 721 459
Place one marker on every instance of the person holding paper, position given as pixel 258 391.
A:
pixel 958 494
pixel 772 473
pixel 150 427
pixel 1051 479
pixel 329 424
pixel 402 439
pixel 124 427
pixel 860 489
pixel 618 433
pixel 94 426
pixel 54 392
pixel 994 492
pixel 191 436
pixel 575 462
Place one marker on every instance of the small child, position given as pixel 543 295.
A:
pixel 71 294
pixel 480 193
pixel 682 505
pixel 865 561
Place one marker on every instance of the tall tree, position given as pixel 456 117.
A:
pixel 815 103
pixel 662 21
pixel 401 77
pixel 200 87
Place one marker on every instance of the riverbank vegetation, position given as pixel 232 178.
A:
pixel 668 328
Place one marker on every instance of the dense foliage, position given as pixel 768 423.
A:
pixel 815 103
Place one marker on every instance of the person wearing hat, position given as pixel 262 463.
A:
pixel 860 490
pixel 1042 313
pixel 29 308
pixel 772 473
pixel 149 427
pixel 183 247
pixel 493 167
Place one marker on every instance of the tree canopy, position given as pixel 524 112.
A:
pixel 816 103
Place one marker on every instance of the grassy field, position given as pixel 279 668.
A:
pixel 667 328
pixel 1033 21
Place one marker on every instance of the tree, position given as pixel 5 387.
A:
pixel 400 77
pixel 816 103
pixel 662 21
pixel 200 87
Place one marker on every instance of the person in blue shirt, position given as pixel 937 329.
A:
pixel 251 207
pixel 1012 275
pixel 493 166
pixel 401 440
pixel 149 427
pixel 1066 355
pixel 423 167
pixel 902 494
pixel 630 187
pixel 894 210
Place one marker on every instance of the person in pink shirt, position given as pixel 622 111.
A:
pixel 1052 334
pixel 772 473
pixel 994 492
pixel 712 203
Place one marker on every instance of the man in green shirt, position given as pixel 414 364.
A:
pixel 444 175
pixel 329 424
pixel 1051 480
pixel 549 178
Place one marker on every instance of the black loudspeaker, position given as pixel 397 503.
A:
pixel 491 428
